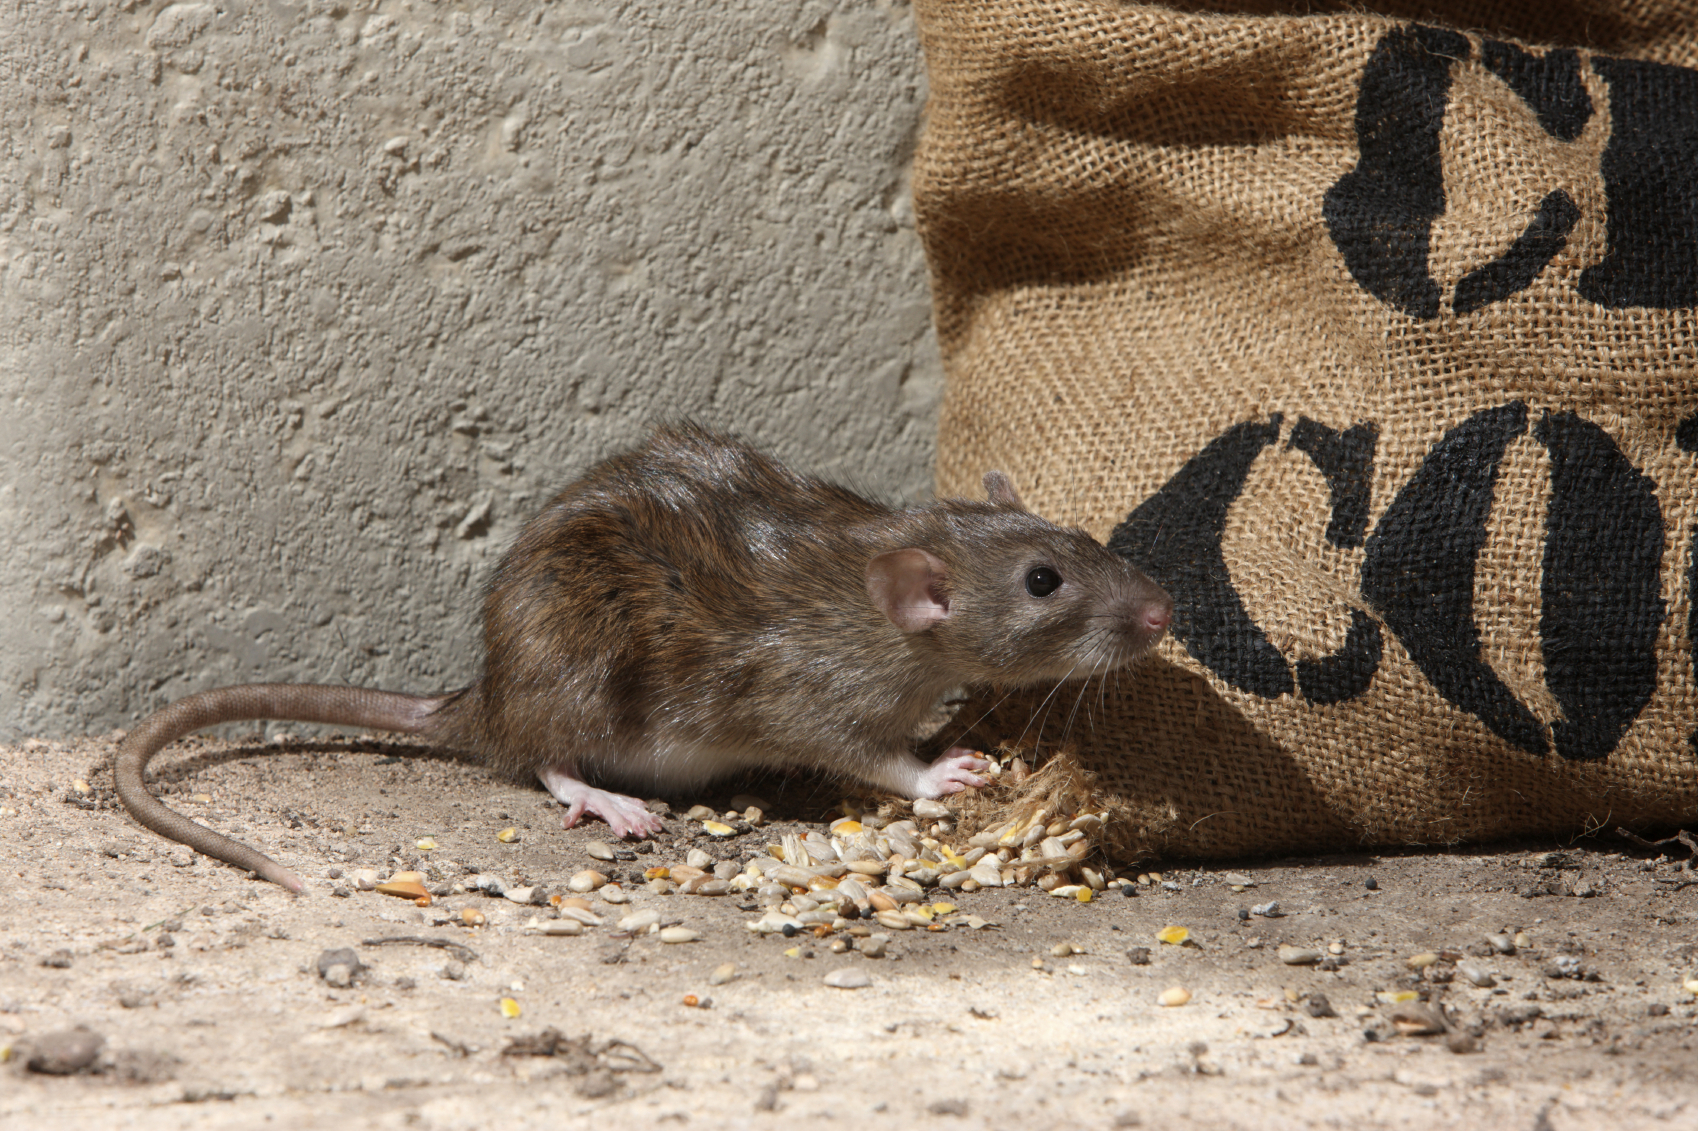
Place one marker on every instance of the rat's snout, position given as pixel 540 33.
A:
pixel 1156 615
pixel 1147 609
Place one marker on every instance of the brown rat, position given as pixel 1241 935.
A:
pixel 691 608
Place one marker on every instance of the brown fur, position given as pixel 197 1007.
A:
pixel 695 587
pixel 692 607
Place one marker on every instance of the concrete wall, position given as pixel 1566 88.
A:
pixel 304 307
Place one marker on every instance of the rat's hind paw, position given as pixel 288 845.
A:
pixel 626 816
pixel 952 773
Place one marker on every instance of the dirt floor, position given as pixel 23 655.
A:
pixel 205 985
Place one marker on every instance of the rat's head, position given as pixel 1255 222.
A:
pixel 1006 597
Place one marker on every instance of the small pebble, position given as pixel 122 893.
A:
pixel 1503 944
pixel 696 858
pixel 60 959
pixel 1138 955
pixel 1476 975
pixel 874 946
pixel 65 1051
pixel 1317 1005
pixel 365 879
pixel 339 967
pixel 1462 1043
pixel 722 974
pixel 613 893
pixel 597 850
pixel 339 976
pixel 698 813
pixel 1418 1019
pixel 1523 940
pixel 1298 956
pixel 1268 910
pixel 1371 884
pixel 1174 995
pixel 848 978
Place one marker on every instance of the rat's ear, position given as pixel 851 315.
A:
pixel 1001 491
pixel 907 587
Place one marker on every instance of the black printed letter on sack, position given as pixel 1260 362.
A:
pixel 1380 214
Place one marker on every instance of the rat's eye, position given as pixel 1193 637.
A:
pixel 1043 581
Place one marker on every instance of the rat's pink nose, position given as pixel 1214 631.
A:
pixel 1156 618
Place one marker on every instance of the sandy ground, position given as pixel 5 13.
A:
pixel 227 1022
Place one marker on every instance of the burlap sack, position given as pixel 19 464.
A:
pixel 1373 341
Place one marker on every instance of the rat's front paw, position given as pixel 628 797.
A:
pixel 955 770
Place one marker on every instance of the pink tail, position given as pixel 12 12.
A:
pixel 297 702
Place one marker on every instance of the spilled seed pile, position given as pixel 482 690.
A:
pixel 868 875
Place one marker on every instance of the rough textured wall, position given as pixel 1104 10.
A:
pixel 304 307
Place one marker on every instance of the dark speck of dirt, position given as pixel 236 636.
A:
pixel 1372 884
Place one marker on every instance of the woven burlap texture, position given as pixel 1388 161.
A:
pixel 1126 212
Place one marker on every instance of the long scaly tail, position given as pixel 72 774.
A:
pixel 296 702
